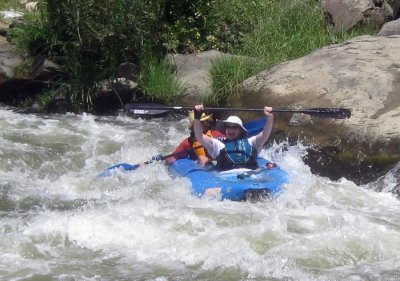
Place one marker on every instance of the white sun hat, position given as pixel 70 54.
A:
pixel 235 120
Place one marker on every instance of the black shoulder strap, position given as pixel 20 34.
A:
pixel 191 138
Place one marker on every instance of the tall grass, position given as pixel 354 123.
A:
pixel 289 29
pixel 226 74
pixel 281 30
pixel 10 5
pixel 158 80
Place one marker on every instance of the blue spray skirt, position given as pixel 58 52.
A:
pixel 236 185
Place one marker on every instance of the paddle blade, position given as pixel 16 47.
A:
pixel 123 166
pixel 145 110
pixel 254 127
pixel 336 113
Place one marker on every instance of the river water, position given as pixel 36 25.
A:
pixel 59 222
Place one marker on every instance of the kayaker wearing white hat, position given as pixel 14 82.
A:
pixel 236 151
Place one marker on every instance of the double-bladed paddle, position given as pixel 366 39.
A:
pixel 158 109
pixel 129 167
pixel 252 127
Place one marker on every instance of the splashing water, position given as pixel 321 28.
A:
pixel 60 222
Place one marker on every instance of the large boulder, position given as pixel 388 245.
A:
pixel 362 74
pixel 9 60
pixel 346 14
pixel 390 28
pixel 193 73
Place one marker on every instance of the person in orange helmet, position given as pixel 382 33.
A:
pixel 186 148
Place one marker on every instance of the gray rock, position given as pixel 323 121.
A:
pixel 349 13
pixel 362 74
pixel 9 60
pixel 193 72
pixel 390 28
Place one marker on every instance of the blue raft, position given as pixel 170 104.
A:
pixel 236 185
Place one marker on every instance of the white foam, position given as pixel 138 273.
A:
pixel 145 221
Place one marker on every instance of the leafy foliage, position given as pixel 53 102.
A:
pixel 228 73
pixel 158 79
pixel 11 4
pixel 281 30
pixel 90 39
pixel 194 26
pixel 186 25
pixel 291 29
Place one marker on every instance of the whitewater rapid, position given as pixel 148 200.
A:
pixel 60 222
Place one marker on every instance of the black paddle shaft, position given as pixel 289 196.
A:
pixel 336 113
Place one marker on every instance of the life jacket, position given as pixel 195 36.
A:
pixel 237 154
pixel 200 151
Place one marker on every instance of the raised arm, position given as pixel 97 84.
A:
pixel 263 136
pixel 204 140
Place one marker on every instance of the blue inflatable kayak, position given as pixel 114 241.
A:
pixel 236 185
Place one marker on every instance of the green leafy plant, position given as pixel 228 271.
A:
pixel 89 39
pixel 337 35
pixel 281 31
pixel 11 5
pixel 226 74
pixel 158 80
pixel 289 30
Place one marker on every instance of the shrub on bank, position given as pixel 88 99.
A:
pixel 90 39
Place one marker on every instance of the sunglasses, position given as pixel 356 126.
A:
pixel 235 127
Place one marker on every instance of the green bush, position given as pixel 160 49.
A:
pixel 289 30
pixel 10 5
pixel 187 25
pixel 158 80
pixel 194 26
pixel 271 32
pixel 226 74
pixel 90 39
